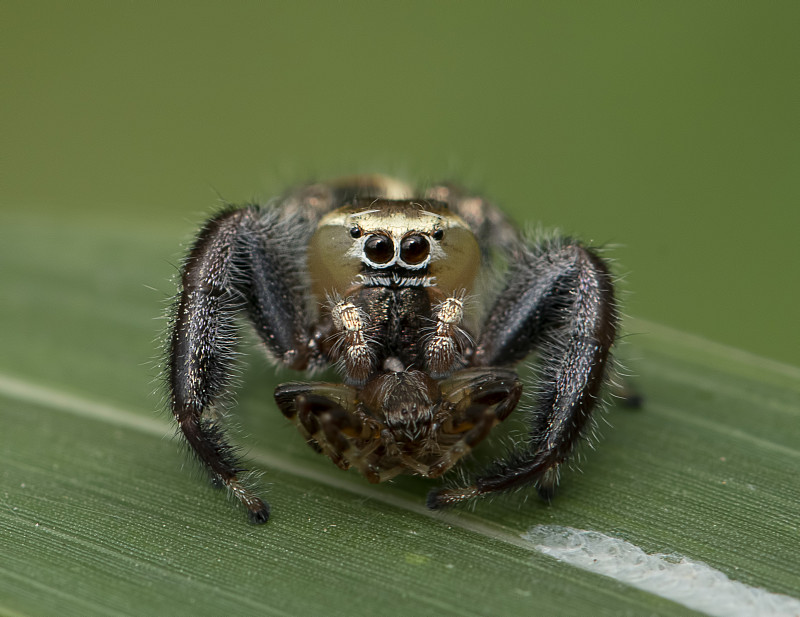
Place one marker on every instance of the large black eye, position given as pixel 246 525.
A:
pixel 379 248
pixel 414 249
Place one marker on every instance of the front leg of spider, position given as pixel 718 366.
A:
pixel 239 263
pixel 559 301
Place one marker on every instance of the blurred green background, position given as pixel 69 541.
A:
pixel 669 129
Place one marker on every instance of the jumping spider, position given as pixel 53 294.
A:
pixel 388 286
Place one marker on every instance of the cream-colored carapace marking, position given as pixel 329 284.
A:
pixel 693 584
pixel 336 253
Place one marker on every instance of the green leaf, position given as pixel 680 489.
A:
pixel 103 513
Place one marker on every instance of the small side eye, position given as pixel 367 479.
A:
pixel 414 249
pixel 379 248
pixel 355 231
pixel 438 234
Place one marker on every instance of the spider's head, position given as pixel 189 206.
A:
pixel 417 240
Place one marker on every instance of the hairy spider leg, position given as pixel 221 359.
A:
pixel 241 261
pixel 558 300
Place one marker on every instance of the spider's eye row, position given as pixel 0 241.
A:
pixel 355 231
pixel 414 249
pixel 379 248
pixel 438 234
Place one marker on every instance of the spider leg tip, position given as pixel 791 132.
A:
pixel 436 499
pixel 633 401
pixel 260 515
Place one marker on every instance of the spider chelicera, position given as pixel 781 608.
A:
pixel 423 303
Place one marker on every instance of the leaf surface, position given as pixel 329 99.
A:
pixel 103 513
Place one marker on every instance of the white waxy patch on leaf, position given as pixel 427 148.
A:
pixel 693 584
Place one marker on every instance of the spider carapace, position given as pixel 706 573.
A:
pixel 423 302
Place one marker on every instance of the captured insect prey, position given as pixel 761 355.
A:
pixel 423 302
